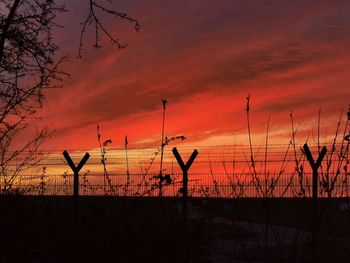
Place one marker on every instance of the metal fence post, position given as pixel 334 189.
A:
pixel 184 167
pixel 314 165
pixel 76 170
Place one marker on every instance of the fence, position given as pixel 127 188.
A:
pixel 229 171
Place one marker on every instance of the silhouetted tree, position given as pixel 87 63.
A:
pixel 28 66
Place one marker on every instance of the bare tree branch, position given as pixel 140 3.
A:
pixel 28 66
pixel 92 19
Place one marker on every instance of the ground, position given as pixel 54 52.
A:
pixel 110 229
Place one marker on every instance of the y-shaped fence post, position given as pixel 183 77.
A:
pixel 314 165
pixel 184 167
pixel 76 170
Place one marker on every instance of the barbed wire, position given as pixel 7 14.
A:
pixel 185 148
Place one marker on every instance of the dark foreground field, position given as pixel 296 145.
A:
pixel 110 229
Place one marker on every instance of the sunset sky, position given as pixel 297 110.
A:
pixel 205 57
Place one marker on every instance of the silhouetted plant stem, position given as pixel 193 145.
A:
pixel 127 163
pixel 265 196
pixel 255 175
pixel 106 178
pixel 231 183
pixel 144 174
pixel 65 183
pixel 342 157
pixel 299 168
pixel 164 102
pixel 265 157
pixel 318 131
pixel 102 158
pixel 42 184
pixel 216 188
pixel 328 181
pixel 347 138
pixel 281 171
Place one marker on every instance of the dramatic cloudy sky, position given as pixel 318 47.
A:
pixel 204 56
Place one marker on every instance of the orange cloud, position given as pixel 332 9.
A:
pixel 204 58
